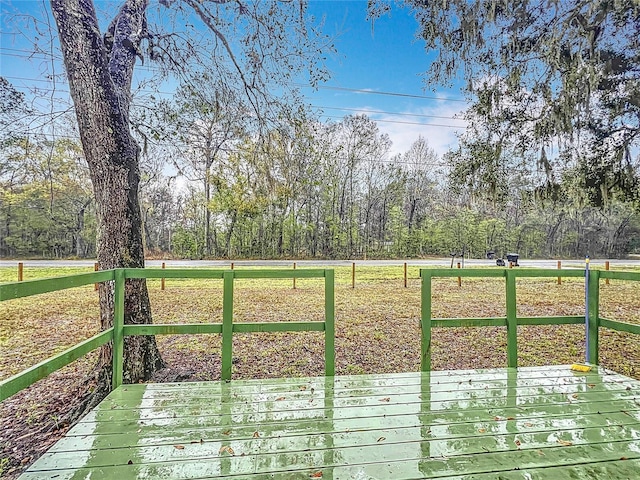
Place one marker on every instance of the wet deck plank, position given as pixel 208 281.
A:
pixel 529 423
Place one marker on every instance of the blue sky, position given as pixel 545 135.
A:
pixel 383 58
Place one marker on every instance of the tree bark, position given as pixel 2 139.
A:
pixel 99 74
pixel 78 242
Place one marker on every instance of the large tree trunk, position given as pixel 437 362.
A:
pixel 99 75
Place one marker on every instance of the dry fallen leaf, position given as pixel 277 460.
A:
pixel 280 399
pixel 511 418
pixel 591 385
pixel 303 388
pixel 482 430
pixel 317 474
pixel 226 448
pixel 565 443
pixel 385 399
pixel 256 435
pixel 517 442
pixel 381 439
pixel 179 447
pixel 226 432
pixel 575 395
pixel 528 424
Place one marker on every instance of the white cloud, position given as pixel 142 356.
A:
pixel 404 129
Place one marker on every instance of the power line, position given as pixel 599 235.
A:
pixel 28 54
pixel 374 92
pixel 31 80
pixel 400 114
pixel 400 122
pixel 31 54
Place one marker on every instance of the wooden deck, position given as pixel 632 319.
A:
pixel 528 423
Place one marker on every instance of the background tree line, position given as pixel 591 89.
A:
pixel 212 188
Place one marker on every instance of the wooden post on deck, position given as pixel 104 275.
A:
pixel 606 267
pixel 459 278
pixel 559 268
pixel 294 278
pixel 20 271
pixel 95 269
pixel 162 279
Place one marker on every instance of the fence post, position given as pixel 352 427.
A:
pixel 294 278
pixel 353 275
pixel 606 267
pixel 162 279
pixel 593 325
pixel 329 324
pixel 405 274
pixel 95 269
pixel 118 327
pixel 459 278
pixel 20 271
pixel 512 320
pixel 231 265
pixel 425 321
pixel 227 325
pixel 559 268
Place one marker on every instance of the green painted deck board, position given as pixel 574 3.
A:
pixel 400 394
pixel 545 422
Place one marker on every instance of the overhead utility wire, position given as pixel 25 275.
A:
pixel 377 92
pixel 364 111
pixel 303 85
pixel 403 114
pixel 355 90
pixel 406 123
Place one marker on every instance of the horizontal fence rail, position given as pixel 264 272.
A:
pixel 511 321
pixel 22 380
pixel 9 291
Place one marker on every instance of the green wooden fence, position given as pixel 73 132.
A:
pixel 511 321
pixel 119 330
pixel 228 327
